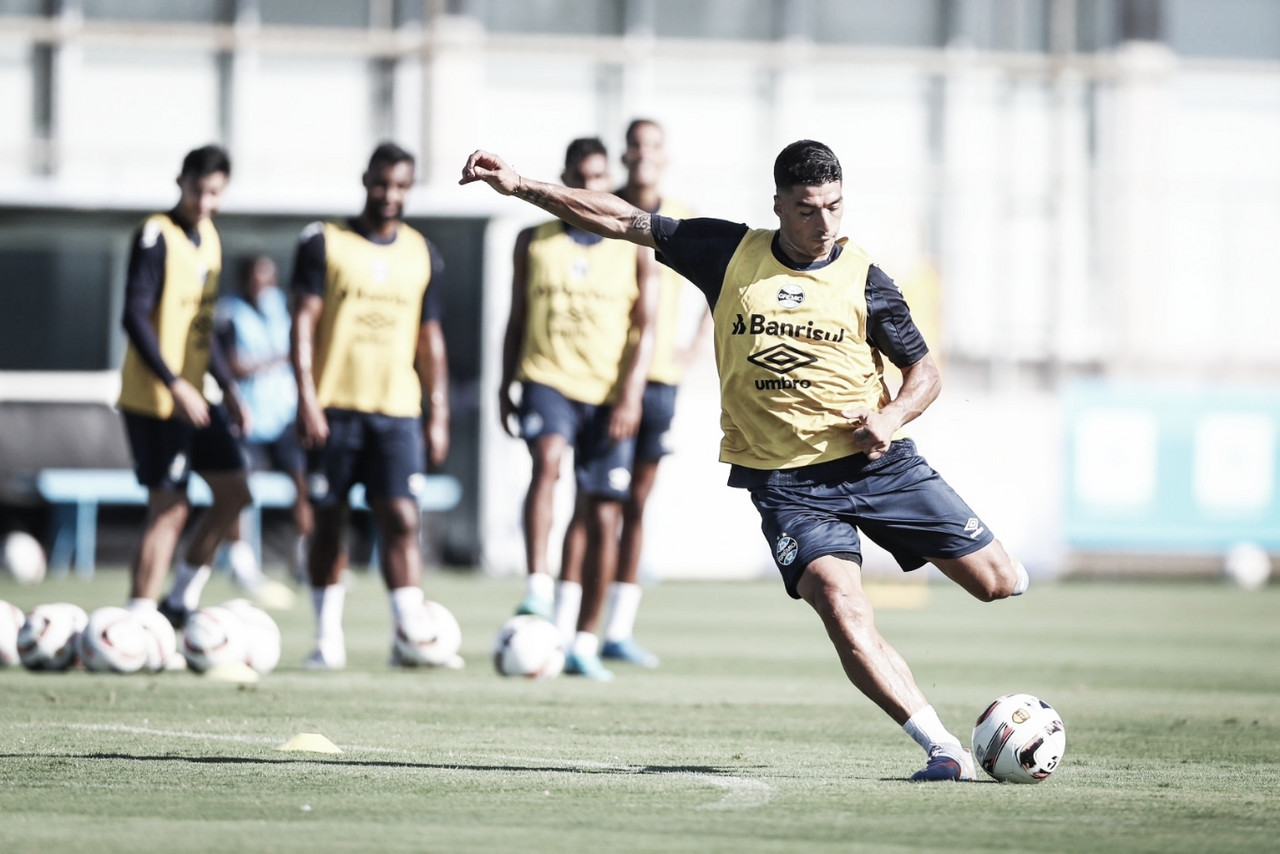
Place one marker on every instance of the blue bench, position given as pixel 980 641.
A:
pixel 74 495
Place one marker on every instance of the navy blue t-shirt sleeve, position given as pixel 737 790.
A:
pixel 698 249
pixel 431 302
pixel 890 328
pixel 308 262
pixel 144 283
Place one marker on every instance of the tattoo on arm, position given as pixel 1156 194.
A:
pixel 641 221
pixel 534 194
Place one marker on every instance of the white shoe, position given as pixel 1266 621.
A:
pixel 329 657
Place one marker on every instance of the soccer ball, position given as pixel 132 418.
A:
pixel 213 637
pixel 24 558
pixel 262 635
pixel 431 637
pixel 11 620
pixel 47 640
pixel 1019 739
pixel 529 646
pixel 116 641
pixel 162 652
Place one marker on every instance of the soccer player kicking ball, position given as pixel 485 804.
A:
pixel 801 319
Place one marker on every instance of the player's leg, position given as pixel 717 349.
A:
pixel 331 471
pixel 167 512
pixel 988 574
pixel 547 421
pixel 573 554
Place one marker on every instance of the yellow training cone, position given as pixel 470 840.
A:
pixel 312 742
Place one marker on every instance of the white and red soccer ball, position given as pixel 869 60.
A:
pixel 530 647
pixel 1019 739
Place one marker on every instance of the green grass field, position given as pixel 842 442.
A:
pixel 747 739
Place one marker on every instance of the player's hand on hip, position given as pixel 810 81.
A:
pixel 872 432
pixel 189 404
pixel 491 169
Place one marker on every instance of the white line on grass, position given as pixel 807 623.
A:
pixel 741 793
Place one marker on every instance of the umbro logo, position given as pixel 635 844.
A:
pixel 781 359
pixel 973 528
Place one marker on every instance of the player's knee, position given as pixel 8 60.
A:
pixel 1007 578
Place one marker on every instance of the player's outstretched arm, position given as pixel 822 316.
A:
pixel 601 213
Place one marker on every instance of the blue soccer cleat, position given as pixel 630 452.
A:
pixel 536 606
pixel 945 767
pixel 589 666
pixel 629 651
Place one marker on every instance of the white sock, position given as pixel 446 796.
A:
pixel 624 602
pixel 140 605
pixel 926 728
pixel 586 645
pixel 188 584
pixel 539 585
pixel 568 603
pixel 405 600
pixel 245 571
pixel 328 602
pixel 1024 580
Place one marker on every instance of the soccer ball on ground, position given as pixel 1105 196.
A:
pixel 529 646
pixel 48 637
pixel 261 635
pixel 429 637
pixel 1019 739
pixel 213 637
pixel 162 652
pixel 116 641
pixel 11 620
pixel 24 558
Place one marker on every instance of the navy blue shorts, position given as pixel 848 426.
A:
pixel 383 452
pixel 284 453
pixel 601 466
pixel 898 501
pixel 167 450
pixel 653 439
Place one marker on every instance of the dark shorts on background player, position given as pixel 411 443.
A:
pixel 898 501
pixel 383 452
pixel 284 453
pixel 167 450
pixel 653 439
pixel 601 466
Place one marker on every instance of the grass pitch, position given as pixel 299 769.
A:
pixel 747 739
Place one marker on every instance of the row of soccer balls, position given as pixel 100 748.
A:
pixel 59 635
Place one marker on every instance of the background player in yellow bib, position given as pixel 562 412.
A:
pixel 368 352
pixel 579 339
pixel 170 291
pixel 802 321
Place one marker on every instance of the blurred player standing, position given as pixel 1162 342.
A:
pixel 368 353
pixel 170 291
pixel 579 339
pixel 802 321
pixel 645 160
pixel 253 327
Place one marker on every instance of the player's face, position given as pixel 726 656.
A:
pixel 590 173
pixel 646 155
pixel 809 220
pixel 387 187
pixel 200 197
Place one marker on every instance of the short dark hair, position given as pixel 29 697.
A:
pixel 389 154
pixel 582 148
pixel 207 160
pixel 806 164
pixel 635 125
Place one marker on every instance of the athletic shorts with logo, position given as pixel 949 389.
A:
pixel 898 501
pixel 383 452
pixel 602 467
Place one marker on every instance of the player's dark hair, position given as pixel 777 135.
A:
pixel 582 148
pixel 208 160
pixel 389 154
pixel 635 125
pixel 805 164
